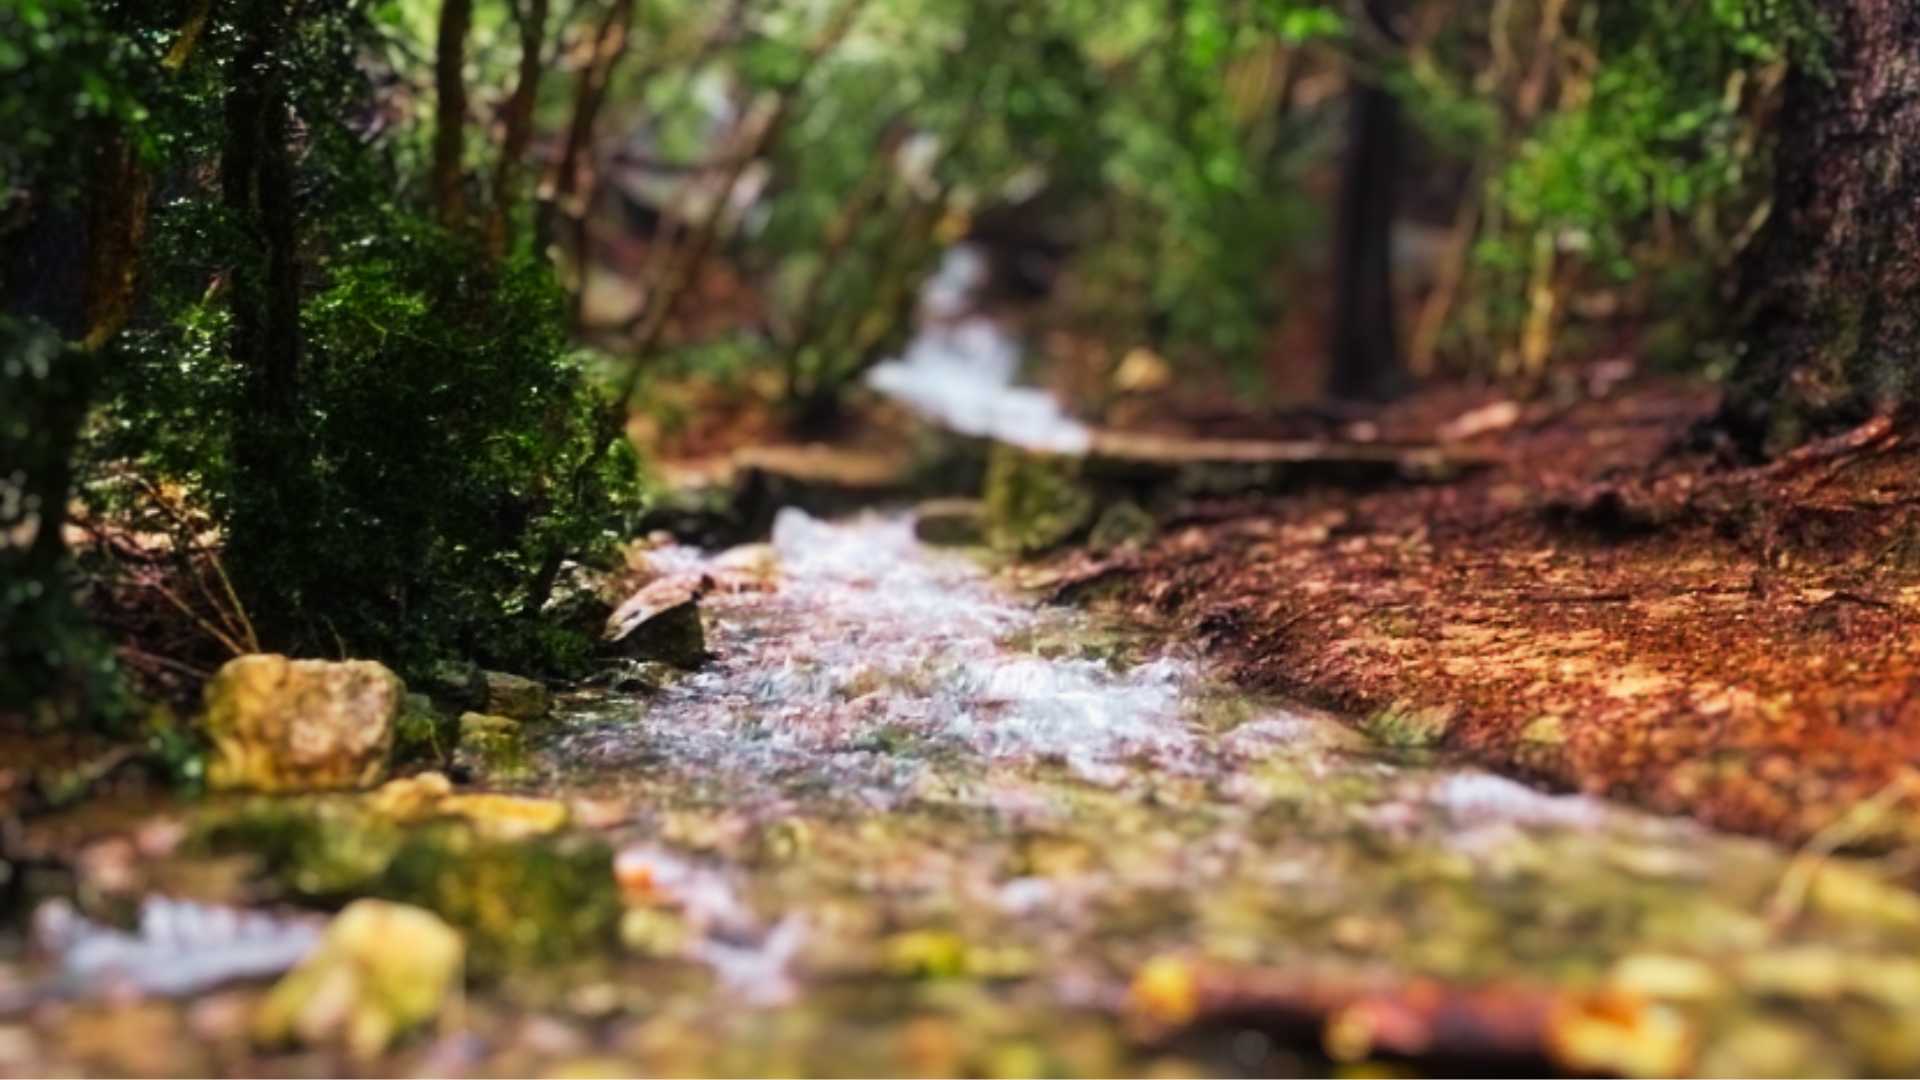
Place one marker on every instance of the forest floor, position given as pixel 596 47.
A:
pixel 1600 610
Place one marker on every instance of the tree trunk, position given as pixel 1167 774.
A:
pixel 1833 287
pixel 517 131
pixel 257 185
pixel 1366 342
pixel 450 90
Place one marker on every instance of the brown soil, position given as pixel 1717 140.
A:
pixel 1597 610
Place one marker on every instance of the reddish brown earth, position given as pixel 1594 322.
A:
pixel 1598 610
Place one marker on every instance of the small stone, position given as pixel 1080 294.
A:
pixel 411 798
pixel 662 622
pixel 300 725
pixel 515 697
pixel 950 522
pixel 382 970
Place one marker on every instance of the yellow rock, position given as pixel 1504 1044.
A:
pixel 300 725
pixel 508 817
pixel 382 970
pixel 411 798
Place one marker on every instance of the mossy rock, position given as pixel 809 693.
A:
pixel 278 724
pixel 492 747
pixel 1035 501
pixel 515 696
pixel 546 899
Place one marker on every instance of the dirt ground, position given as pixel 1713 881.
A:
pixel 1611 606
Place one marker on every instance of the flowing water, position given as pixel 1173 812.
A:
pixel 902 775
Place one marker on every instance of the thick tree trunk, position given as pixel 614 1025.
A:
pixel 1833 287
pixel 1366 342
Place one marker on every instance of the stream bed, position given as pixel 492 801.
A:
pixel 909 821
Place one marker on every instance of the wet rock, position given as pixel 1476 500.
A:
pixel 300 725
pixel 493 747
pixel 1121 526
pixel 515 696
pixel 950 522
pixel 1034 501
pixel 578 602
pixel 456 684
pixel 382 970
pixel 662 623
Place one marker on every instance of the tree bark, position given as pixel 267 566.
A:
pixel 518 122
pixel 1832 288
pixel 257 186
pixel 450 92
pixel 1366 341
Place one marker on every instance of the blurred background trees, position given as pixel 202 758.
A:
pixel 356 296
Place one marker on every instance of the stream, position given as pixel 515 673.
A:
pixel 908 821
pixel 914 813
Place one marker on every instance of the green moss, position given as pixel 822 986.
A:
pixel 493 747
pixel 1123 525
pixel 1409 728
pixel 518 902
pixel 1035 502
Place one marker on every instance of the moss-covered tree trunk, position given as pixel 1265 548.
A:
pixel 1833 286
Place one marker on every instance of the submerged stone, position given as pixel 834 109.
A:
pixel 515 696
pixel 300 725
pixel 382 970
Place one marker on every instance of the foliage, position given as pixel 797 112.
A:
pixel 447 420
pixel 1637 145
